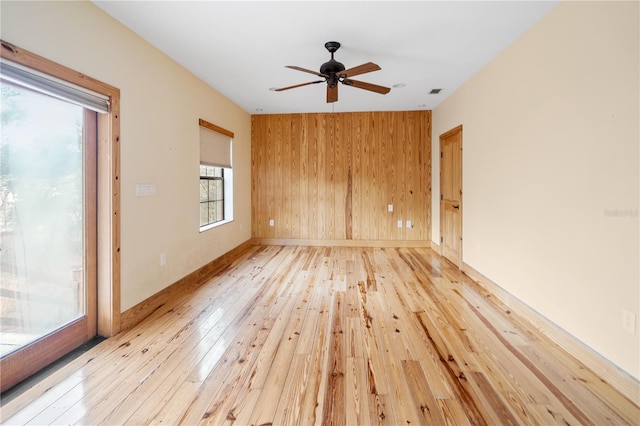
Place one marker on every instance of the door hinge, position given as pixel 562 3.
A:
pixel 441 154
pixel 441 239
pixel 441 199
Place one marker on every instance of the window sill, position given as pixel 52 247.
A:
pixel 215 225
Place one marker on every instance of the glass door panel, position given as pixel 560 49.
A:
pixel 43 218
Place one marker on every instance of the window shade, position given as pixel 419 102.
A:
pixel 215 148
pixel 52 86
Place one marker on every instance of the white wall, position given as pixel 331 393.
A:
pixel 550 152
pixel 161 103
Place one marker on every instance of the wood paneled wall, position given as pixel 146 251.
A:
pixel 331 176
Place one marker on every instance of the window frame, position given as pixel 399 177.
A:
pixel 227 177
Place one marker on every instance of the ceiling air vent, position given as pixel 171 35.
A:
pixel 434 91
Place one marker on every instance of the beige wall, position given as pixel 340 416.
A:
pixel 160 106
pixel 550 152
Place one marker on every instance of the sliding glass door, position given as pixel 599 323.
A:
pixel 48 228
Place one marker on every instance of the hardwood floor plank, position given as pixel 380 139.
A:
pixel 454 374
pixel 386 335
pixel 277 370
pixel 499 411
pixel 421 393
pixel 295 391
pixel 296 387
pixel 328 335
pixel 356 394
pixel 241 411
pixel 380 412
pixel 313 405
pixel 334 410
pixel 453 412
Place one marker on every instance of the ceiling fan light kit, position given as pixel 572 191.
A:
pixel 334 72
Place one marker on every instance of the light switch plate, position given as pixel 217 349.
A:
pixel 145 189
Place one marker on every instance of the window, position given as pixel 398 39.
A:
pixel 211 194
pixel 216 176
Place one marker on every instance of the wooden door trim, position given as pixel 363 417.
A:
pixel 106 321
pixel 445 135
pixel 90 183
pixel 108 161
pixel 457 129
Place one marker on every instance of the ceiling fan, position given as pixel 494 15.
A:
pixel 334 72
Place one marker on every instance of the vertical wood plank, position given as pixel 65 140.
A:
pixel 356 177
pixel 296 157
pixel 368 163
pixel 313 175
pixel 280 187
pixel 285 212
pixel 304 176
pixel 339 188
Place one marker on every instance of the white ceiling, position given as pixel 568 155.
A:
pixel 240 48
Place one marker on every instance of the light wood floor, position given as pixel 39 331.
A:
pixel 300 335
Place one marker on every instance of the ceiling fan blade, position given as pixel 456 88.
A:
pixel 332 93
pixel 361 69
pixel 367 86
pixel 293 67
pixel 298 85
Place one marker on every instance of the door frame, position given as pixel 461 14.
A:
pixel 443 136
pixel 108 196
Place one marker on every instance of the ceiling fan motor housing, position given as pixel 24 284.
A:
pixel 332 68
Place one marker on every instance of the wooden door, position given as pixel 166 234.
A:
pixel 451 195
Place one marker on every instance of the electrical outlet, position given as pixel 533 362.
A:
pixel 629 321
pixel 163 259
pixel 390 208
pixel 409 224
pixel 400 224
pixel 272 222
